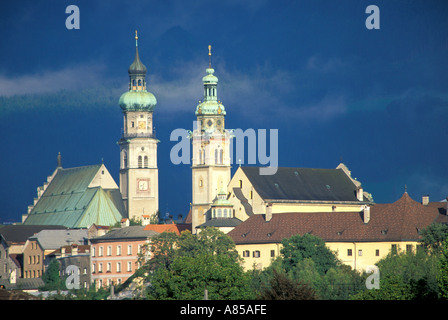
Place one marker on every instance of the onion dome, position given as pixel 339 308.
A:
pixel 137 98
pixel 210 105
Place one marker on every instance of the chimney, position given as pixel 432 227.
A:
pixel 366 214
pixel 74 250
pixel 268 212
pixel 359 193
pixel 425 200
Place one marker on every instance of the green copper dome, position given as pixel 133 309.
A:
pixel 137 101
pixel 210 107
pixel 210 78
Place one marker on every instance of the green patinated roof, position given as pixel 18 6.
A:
pixel 137 101
pixel 210 107
pixel 68 201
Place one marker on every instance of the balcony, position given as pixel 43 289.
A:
pixel 138 135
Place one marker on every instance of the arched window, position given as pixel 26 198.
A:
pixel 225 213
pixel 219 213
pixel 133 82
pixel 139 82
pixel 146 162
pixel 200 156
pixel 216 156
pixel 221 155
pixel 139 161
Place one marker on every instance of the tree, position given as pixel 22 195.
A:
pixel 297 248
pixel 434 236
pixel 442 276
pixel 405 276
pixel 184 266
pixel 282 287
pixel 51 278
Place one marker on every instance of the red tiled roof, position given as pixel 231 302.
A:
pixel 396 221
pixel 176 228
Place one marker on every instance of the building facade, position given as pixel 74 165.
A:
pixel 139 180
pixel 115 255
pixel 359 239
pixel 210 151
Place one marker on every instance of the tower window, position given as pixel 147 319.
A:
pixel 139 161
pixel 146 162
pixel 139 82
pixel 241 183
pixel 221 155
pixel 125 159
pixel 216 156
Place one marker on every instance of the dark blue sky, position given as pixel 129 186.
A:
pixel 377 99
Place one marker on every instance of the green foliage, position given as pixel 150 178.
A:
pixel 442 276
pixel 297 248
pixel 305 260
pixel 405 276
pixel 51 278
pixel 282 287
pixel 434 236
pixel 184 266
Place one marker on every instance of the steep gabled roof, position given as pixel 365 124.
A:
pixel 398 221
pixel 303 184
pixel 74 199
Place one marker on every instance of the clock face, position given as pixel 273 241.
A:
pixel 209 123
pixel 141 125
pixel 143 185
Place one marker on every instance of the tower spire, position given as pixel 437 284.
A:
pixel 209 56
pixel 136 38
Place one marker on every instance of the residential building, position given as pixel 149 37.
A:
pixel 38 249
pixel 12 241
pixel 114 256
pixel 78 256
pixel 359 238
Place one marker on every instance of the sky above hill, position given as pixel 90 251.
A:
pixel 375 99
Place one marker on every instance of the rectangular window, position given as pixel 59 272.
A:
pixel 272 253
pixel 256 254
pixel 118 266
pixel 119 250
pixel 394 248
pixel 100 253
pixel 109 267
pixel 360 252
pixel 349 252
pixel 100 267
pixel 246 253
pixel 409 248
pixel 129 249
pixel 377 252
pixel 129 266
pixel 109 250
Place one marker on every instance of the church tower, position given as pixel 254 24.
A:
pixel 139 182
pixel 211 151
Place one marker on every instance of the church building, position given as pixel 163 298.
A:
pixel 139 178
pixel 211 151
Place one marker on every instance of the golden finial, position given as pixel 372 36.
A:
pixel 136 37
pixel 209 56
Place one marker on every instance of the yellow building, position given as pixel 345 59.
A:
pixel 295 190
pixel 359 238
